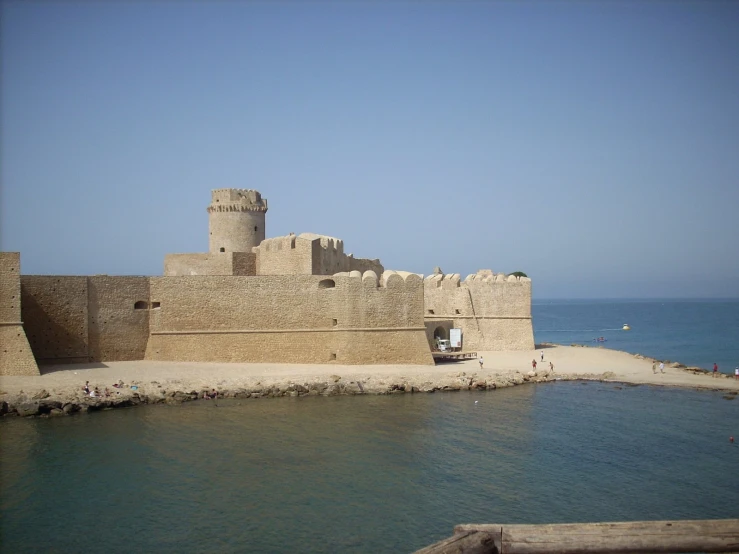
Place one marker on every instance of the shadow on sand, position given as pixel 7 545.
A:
pixel 46 369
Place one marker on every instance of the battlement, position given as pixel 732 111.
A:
pixel 237 200
pixel 326 242
pixel 482 277
pixel 388 278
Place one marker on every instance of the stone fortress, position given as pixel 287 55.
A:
pixel 291 299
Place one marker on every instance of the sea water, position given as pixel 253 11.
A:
pixel 364 474
pixel 693 332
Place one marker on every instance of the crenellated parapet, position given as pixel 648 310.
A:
pixel 387 279
pixel 237 200
pixel 236 208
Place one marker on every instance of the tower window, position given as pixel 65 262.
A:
pixel 222 249
pixel 141 305
pixel 256 228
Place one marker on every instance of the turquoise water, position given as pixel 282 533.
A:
pixel 693 332
pixel 365 474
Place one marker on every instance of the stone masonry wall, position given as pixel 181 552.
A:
pixel 72 319
pixel 309 254
pixel 493 311
pixel 55 316
pixel 16 357
pixel 299 319
pixel 221 263
pixel 288 255
pixel 118 317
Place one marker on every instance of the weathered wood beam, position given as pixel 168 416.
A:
pixel 466 542
pixel 721 535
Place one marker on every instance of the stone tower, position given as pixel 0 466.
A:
pixel 236 220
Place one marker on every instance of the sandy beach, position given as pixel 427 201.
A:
pixel 177 381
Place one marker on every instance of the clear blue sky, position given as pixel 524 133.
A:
pixel 593 145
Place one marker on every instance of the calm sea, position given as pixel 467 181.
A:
pixel 370 474
pixel 693 332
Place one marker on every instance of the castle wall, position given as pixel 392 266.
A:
pixel 244 263
pixel 72 319
pixel 221 263
pixel 118 317
pixel 55 316
pixel 298 319
pixel 290 255
pixel 494 312
pixel 309 254
pixel 16 357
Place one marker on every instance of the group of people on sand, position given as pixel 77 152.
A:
pixel 715 371
pixel 212 395
pixel 95 392
pixel 534 364
pixel 661 367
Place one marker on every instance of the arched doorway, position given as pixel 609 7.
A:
pixel 440 333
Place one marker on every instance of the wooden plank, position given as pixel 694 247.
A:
pixel 467 542
pixel 720 535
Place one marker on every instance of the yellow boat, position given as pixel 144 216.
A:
pixel 626 327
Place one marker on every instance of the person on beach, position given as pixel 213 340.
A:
pixel 662 367
pixel 86 388
pixel 533 364
pixel 715 369
pixel 551 367
pixel 736 373
pixel 542 355
pixel 480 360
pixel 654 368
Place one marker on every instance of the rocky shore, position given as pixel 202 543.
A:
pixel 53 404
pixel 59 391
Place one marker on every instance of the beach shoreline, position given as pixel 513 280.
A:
pixel 59 390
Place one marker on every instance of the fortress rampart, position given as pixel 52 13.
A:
pixel 493 311
pixel 347 319
pixel 308 254
pixel 16 357
pixel 297 299
pixel 221 263
pixel 72 319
